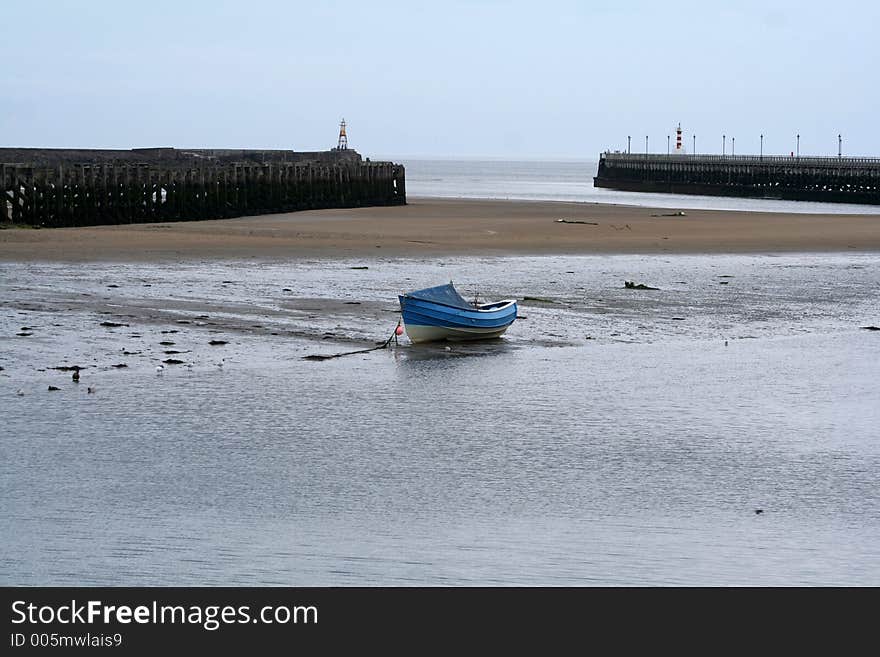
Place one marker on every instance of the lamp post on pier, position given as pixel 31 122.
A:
pixel 628 140
pixel 646 145
pixel 733 145
pixel 762 146
pixel 695 144
pixel 839 146
pixel 667 144
pixel 798 145
pixel 723 145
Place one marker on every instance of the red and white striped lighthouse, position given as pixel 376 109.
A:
pixel 342 145
pixel 678 139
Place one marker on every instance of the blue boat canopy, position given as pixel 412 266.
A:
pixel 445 294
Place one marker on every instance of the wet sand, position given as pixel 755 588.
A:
pixel 640 428
pixel 451 226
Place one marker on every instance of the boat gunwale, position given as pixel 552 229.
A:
pixel 436 317
pixel 504 304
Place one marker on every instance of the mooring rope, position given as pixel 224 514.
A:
pixel 393 338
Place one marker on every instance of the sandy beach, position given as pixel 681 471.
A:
pixel 452 226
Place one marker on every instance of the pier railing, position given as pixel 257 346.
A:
pixel 817 161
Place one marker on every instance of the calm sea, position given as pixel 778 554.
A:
pixel 573 181
pixel 613 436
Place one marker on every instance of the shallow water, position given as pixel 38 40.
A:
pixel 611 437
pixel 572 180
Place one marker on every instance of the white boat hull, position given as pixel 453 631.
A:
pixel 422 333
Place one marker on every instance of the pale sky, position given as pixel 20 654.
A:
pixel 449 79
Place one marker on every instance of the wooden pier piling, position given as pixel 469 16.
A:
pixel 55 187
pixel 828 179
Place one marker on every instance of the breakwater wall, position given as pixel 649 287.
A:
pixel 83 187
pixel 828 179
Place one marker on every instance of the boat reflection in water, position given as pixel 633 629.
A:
pixel 440 313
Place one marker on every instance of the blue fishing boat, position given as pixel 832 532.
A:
pixel 440 313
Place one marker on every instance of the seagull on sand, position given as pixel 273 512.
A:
pixel 160 369
pixel 75 376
